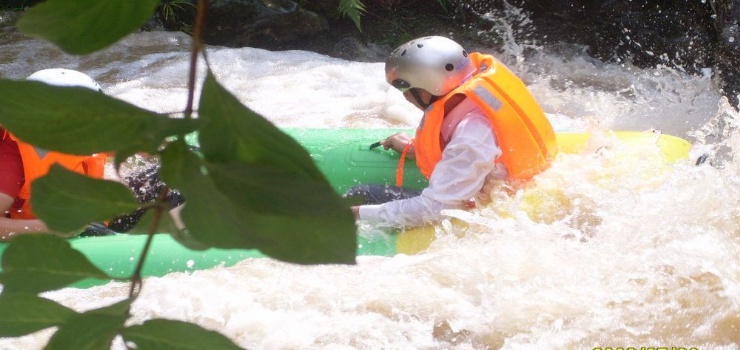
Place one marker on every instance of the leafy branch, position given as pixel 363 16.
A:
pixel 284 207
pixel 354 9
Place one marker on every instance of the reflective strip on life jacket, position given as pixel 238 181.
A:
pixel 522 130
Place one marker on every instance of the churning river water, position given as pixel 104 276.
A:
pixel 632 258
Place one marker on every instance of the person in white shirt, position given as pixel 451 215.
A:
pixel 456 144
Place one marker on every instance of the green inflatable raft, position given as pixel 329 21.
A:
pixel 346 159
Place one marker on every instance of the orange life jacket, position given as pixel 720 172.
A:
pixel 522 131
pixel 36 163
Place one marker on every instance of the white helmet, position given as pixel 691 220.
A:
pixel 434 63
pixel 65 77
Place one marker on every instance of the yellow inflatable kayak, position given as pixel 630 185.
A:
pixel 541 204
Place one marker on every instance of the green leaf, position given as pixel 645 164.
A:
pixel 310 222
pixel 67 201
pixel 77 120
pixel 83 26
pixel 145 223
pixel 257 188
pixel 267 189
pixel 327 239
pixel 169 334
pixel 22 314
pixel 178 155
pixel 320 230
pixel 352 9
pixel 167 225
pixel 209 216
pixel 233 132
pixel 39 263
pixel 92 330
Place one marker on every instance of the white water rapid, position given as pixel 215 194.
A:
pixel 633 258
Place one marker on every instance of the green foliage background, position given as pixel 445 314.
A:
pixel 286 207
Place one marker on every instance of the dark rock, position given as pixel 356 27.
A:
pixel 259 23
pixel 19 4
pixel 686 35
pixel 727 55
pixel 646 33
pixel 326 8
pixel 677 34
pixel 351 48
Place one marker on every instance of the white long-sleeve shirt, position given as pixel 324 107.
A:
pixel 467 161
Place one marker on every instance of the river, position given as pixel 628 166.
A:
pixel 633 257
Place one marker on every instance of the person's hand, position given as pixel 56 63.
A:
pixel 397 142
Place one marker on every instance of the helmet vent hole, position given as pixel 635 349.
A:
pixel 449 67
pixel 465 53
pixel 403 53
pixel 420 45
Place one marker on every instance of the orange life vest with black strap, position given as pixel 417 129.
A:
pixel 522 131
pixel 37 162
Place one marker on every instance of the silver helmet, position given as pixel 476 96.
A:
pixel 65 77
pixel 433 63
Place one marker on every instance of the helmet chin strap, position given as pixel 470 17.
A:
pixel 417 97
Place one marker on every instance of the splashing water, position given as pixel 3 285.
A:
pixel 624 252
